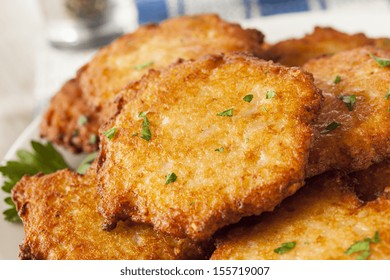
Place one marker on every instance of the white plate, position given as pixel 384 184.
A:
pixel 275 28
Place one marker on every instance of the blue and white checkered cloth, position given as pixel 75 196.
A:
pixel 234 10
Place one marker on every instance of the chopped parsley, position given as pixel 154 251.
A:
pixel 349 101
pixel 285 247
pixel 337 79
pixel 143 66
pixel 171 177
pixel 332 126
pixel 363 247
pixel 264 109
pixel 110 133
pixel 76 132
pixel 270 94
pixel 86 163
pixel 387 95
pixel 82 120
pixel 382 62
pixel 219 150
pixel 92 138
pixel 44 158
pixel 248 98
pixel 145 132
pixel 134 134
pixel 226 113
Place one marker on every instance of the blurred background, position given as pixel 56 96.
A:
pixel 44 42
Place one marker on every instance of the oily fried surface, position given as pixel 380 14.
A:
pixel 364 134
pixel 60 123
pixel 265 144
pixel 323 40
pixel 131 56
pixel 324 218
pixel 59 213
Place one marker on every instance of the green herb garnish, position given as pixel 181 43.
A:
pixel 145 132
pixel 332 126
pixel 92 139
pixel 110 133
pixel 226 113
pixel 44 158
pixel 387 95
pixel 86 163
pixel 286 247
pixel 349 101
pixel 248 98
pixel 264 109
pixel 82 120
pixel 134 134
pixel 382 62
pixel 143 66
pixel 337 79
pixel 219 150
pixel 270 94
pixel 363 247
pixel 171 177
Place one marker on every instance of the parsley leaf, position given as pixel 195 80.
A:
pixel 332 126
pixel 110 133
pixel 82 120
pixel 248 98
pixel 171 177
pixel 145 132
pixel 382 62
pixel 219 150
pixel 86 163
pixel 286 247
pixel 270 94
pixel 44 158
pixel 226 113
pixel 387 96
pixel 337 79
pixel 363 247
pixel 143 66
pixel 349 101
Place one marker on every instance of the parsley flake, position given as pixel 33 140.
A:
pixel 44 158
pixel 110 133
pixel 363 247
pixel 171 177
pixel 337 79
pixel 349 101
pixel 248 98
pixel 219 150
pixel 145 132
pixel 86 163
pixel 143 66
pixel 332 126
pixel 82 120
pixel 226 113
pixel 387 95
pixel 270 94
pixel 382 62
pixel 286 247
pixel 92 138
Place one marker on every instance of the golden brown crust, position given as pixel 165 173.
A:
pixel 364 134
pixel 61 222
pixel 323 40
pixel 269 138
pixel 127 59
pixel 60 123
pixel 324 219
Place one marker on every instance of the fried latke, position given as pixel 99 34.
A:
pixel 231 157
pixel 61 221
pixel 324 218
pixel 126 60
pixel 363 136
pixel 323 40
